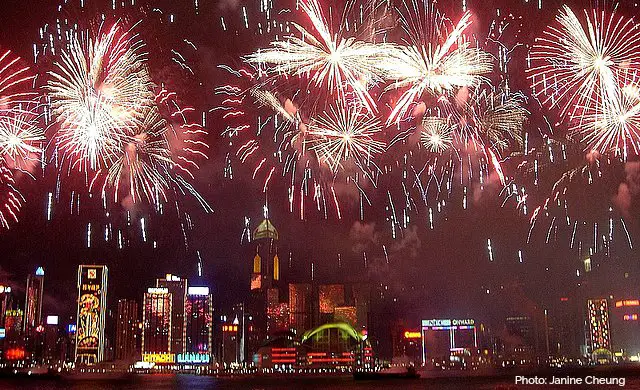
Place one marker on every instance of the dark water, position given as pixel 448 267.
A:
pixel 191 382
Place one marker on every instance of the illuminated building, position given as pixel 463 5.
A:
pixel 625 326
pixel 336 345
pixel 156 324
pixel 231 343
pixel 127 329
pixel 92 302
pixel 599 328
pixel 6 301
pixel 13 326
pixel 300 306
pixel 329 297
pixel 199 326
pixel 444 339
pixel 177 287
pixel 346 314
pixel 407 345
pixel 265 278
pixel 33 304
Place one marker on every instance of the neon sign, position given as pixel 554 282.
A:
pixel 412 335
pixel 158 357
pixel 193 358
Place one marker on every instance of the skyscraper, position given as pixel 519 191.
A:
pixel 126 329
pixel 600 338
pixel 156 320
pixel 199 326
pixel 177 287
pixel 33 304
pixel 6 301
pixel 92 303
pixel 300 306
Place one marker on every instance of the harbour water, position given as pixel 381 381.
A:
pixel 193 382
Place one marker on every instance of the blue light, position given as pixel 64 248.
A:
pixel 40 271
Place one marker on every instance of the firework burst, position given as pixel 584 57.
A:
pixel 343 134
pixel 436 135
pixel 581 70
pixel 329 60
pixel 439 59
pixel 98 91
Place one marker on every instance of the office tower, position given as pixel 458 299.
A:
pixel 156 320
pixel 177 287
pixel 13 325
pixel 6 301
pixel 599 329
pixel 127 329
pixel 33 304
pixel 92 304
pixel 329 297
pixel 53 348
pixel 300 307
pixel 199 326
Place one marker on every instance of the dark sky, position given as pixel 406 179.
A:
pixel 439 272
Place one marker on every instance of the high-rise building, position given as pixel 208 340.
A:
pixel 156 320
pixel 6 301
pixel 599 328
pixel 177 287
pixel 33 304
pixel 625 325
pixel 329 297
pixel 13 325
pixel 92 304
pixel 127 329
pixel 346 314
pixel 199 326
pixel 300 307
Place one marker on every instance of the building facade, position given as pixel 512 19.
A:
pixel 92 303
pixel 127 325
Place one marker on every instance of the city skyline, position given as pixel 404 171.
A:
pixel 258 183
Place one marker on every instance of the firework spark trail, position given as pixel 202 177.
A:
pixel 330 60
pixel 438 60
pixel 345 134
pixel 582 70
pixel 97 91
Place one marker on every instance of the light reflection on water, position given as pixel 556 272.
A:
pixel 191 382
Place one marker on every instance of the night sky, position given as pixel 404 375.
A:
pixel 437 272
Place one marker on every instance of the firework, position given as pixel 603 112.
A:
pixel 616 127
pixel 21 137
pixel 145 161
pixel 11 200
pixel 330 60
pixel 97 94
pixel 488 119
pixel 15 80
pixel 436 136
pixel 438 61
pixel 345 133
pixel 576 68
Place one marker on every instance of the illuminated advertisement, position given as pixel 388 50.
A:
pixel 598 324
pixel 159 358
pixel 409 334
pixel 14 354
pixel 193 358
pixel 441 337
pixel 3 333
pixel 92 296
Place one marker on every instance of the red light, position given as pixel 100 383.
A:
pixel 15 354
pixel 564 299
pixel 628 302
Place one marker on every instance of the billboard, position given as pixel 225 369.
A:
pixel 92 299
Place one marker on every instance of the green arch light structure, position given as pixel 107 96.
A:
pixel 348 329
